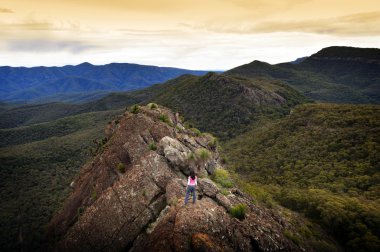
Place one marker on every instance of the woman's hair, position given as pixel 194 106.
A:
pixel 192 175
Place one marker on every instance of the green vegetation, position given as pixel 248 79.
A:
pixel 135 109
pixel 288 234
pixel 173 202
pixel 223 178
pixel 165 118
pixel 203 154
pixel 256 191
pixel 121 167
pixel 196 131
pixel 152 146
pixel 191 157
pixel 226 105
pixel 213 143
pixel 329 75
pixel 239 211
pixel 94 195
pixel 152 105
pixel 322 160
pixel 36 169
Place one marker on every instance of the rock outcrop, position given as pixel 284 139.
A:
pixel 131 196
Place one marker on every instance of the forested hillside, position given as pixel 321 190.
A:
pixel 38 163
pixel 322 160
pixel 227 105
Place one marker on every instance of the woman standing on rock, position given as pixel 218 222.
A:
pixel 191 184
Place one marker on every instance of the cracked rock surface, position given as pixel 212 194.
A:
pixel 142 209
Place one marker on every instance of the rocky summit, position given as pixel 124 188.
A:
pixel 131 195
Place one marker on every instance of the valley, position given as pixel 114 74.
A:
pixel 301 136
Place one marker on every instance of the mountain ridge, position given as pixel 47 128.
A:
pixel 130 196
pixel 109 77
pixel 331 75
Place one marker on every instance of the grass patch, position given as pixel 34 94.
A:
pixel 239 211
pixel 152 105
pixel 258 193
pixel 165 118
pixel 196 131
pixel 152 146
pixel 94 195
pixel 191 157
pixel 121 168
pixel 292 237
pixel 222 177
pixel 135 109
pixel 224 191
pixel 203 154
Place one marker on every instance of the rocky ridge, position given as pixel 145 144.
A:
pixel 131 195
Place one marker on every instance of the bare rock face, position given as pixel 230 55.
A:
pixel 176 153
pixel 131 196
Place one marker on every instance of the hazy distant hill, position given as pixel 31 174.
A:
pixel 16 116
pixel 334 74
pixel 58 83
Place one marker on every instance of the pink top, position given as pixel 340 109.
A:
pixel 191 181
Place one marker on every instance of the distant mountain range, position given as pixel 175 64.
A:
pixel 334 74
pixel 81 83
pixel 316 158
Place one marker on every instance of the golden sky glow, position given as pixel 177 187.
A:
pixel 197 34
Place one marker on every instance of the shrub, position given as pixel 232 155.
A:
pixel 135 109
pixel 165 118
pixel 121 168
pixel 196 131
pixel 203 154
pixel 292 237
pixel 224 160
pixel 94 195
pixel 258 192
pixel 239 211
pixel 222 177
pixel 224 191
pixel 178 128
pixel 152 105
pixel 191 156
pixel 80 211
pixel 213 143
pixel 187 125
pixel 152 146
pixel 173 202
pixel 323 246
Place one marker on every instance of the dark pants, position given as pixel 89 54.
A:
pixel 190 189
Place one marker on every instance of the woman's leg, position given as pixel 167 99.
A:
pixel 194 196
pixel 188 190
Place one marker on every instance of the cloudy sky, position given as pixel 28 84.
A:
pixel 195 34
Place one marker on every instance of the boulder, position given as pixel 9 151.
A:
pixel 211 167
pixel 176 153
pixel 208 187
